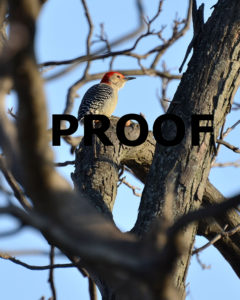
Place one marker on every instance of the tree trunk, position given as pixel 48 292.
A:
pixel 207 87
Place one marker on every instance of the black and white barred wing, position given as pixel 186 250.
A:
pixel 95 99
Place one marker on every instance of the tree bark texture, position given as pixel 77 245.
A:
pixel 207 87
pixel 137 264
pixel 98 177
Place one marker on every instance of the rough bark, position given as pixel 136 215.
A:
pixel 97 172
pixel 133 268
pixel 139 160
pixel 207 87
pixel 65 217
pixel 3 11
pixel 229 246
pixel 98 176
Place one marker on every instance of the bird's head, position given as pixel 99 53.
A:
pixel 115 79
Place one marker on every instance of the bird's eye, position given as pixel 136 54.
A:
pixel 118 76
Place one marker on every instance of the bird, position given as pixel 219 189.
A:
pixel 102 98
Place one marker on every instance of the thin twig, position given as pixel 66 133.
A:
pixel 5 191
pixel 126 52
pixel 132 187
pixel 102 37
pixel 90 25
pixel 114 43
pixel 236 106
pixel 218 147
pixel 35 268
pixel 78 84
pixel 203 266
pixel 72 91
pixel 34 252
pixel 198 23
pixel 175 36
pixel 92 289
pixel 158 12
pixel 51 275
pixel 10 112
pixel 222 135
pixel 229 146
pixel 220 235
pixel 230 129
pixel 19 194
pixel 211 211
pixel 235 164
pixel 163 98
pixel 65 163
pixel 90 33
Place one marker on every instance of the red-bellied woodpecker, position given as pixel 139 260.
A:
pixel 102 98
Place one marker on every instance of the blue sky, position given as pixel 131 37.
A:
pixel 61 34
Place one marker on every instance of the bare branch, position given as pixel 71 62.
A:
pixel 69 221
pixel 227 164
pixel 102 37
pixel 19 194
pixel 64 164
pixel 51 275
pixel 209 228
pixel 3 35
pixel 236 106
pixel 10 112
pixel 163 98
pixel 203 266
pixel 8 133
pixel 212 211
pixel 32 252
pixel 35 268
pixel 175 36
pixel 218 147
pixel 114 43
pixel 229 146
pixel 157 13
pixel 64 216
pixel 198 22
pixel 90 25
pixel 90 33
pixel 72 91
pixel 92 289
pixel 222 234
pixel 128 52
pixel 230 129
pixel 222 135
pixel 132 187
pixel 5 191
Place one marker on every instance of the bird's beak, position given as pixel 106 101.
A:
pixel 129 78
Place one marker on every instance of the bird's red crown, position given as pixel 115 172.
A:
pixel 108 75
